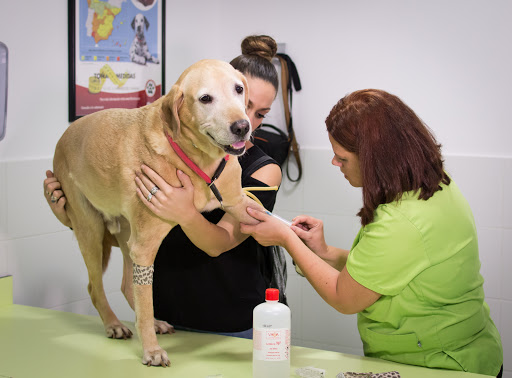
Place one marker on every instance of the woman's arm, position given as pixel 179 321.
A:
pixel 336 287
pixel 177 205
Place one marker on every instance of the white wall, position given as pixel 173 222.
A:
pixel 449 60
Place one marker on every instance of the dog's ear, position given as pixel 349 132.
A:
pixel 169 112
pixel 146 22
pixel 133 23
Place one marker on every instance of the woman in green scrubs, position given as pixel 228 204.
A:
pixel 412 274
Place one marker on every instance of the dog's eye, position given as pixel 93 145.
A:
pixel 239 89
pixel 205 99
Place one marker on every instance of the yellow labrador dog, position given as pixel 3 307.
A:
pixel 96 161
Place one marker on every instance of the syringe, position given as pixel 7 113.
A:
pixel 278 217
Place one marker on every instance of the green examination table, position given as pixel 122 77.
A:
pixel 39 343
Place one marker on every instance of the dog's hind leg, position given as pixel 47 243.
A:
pixel 90 231
pixel 126 284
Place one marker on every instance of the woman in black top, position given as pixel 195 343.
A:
pixel 211 276
pixel 194 290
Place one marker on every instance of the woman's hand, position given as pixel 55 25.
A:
pixel 55 198
pixel 311 232
pixel 174 204
pixel 270 231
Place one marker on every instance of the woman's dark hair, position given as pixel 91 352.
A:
pixel 256 59
pixel 397 152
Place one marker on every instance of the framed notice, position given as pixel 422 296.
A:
pixel 116 54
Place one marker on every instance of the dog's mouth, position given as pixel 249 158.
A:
pixel 236 149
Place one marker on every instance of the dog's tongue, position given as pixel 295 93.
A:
pixel 239 145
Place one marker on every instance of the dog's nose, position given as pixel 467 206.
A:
pixel 240 127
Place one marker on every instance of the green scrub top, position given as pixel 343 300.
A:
pixel 422 257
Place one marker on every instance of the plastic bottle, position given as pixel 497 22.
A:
pixel 271 338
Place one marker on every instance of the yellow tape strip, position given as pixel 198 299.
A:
pixel 250 189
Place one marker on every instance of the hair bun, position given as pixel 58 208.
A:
pixel 260 45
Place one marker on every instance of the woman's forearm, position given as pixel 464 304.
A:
pixel 212 238
pixel 322 273
pixel 336 257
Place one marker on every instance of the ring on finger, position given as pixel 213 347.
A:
pixel 53 198
pixel 149 197
pixel 153 190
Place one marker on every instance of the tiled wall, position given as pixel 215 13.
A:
pixel 48 270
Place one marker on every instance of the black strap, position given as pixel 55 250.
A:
pixel 215 176
pixel 276 129
pixel 219 169
pixel 216 193
pixel 293 73
pixel 257 164
pixel 287 65
pixel 293 76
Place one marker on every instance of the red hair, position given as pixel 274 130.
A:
pixel 397 152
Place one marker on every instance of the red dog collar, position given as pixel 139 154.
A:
pixel 199 171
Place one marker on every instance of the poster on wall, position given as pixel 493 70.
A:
pixel 116 54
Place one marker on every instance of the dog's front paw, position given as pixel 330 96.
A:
pixel 118 331
pixel 157 357
pixel 163 327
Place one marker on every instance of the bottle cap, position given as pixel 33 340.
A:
pixel 272 294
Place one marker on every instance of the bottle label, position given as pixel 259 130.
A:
pixel 271 344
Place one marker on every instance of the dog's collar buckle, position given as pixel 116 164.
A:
pixel 216 193
pixel 199 171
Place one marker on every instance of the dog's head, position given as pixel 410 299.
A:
pixel 139 22
pixel 207 105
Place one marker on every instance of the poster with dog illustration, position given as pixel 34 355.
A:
pixel 116 54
